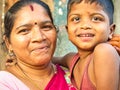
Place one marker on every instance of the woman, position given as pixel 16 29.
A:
pixel 30 37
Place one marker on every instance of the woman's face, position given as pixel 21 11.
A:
pixel 33 37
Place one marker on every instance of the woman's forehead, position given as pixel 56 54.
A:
pixel 33 7
pixel 32 10
pixel 32 14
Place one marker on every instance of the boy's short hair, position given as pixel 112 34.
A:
pixel 107 5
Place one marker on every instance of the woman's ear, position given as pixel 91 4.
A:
pixel 66 28
pixel 57 28
pixel 7 42
pixel 112 30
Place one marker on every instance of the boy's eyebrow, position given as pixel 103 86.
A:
pixel 97 14
pixel 73 14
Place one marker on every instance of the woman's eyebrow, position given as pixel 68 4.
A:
pixel 24 25
pixel 29 25
pixel 46 22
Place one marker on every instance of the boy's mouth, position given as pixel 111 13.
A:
pixel 86 35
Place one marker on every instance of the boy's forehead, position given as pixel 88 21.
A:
pixel 96 2
pixel 83 3
pixel 85 6
pixel 107 5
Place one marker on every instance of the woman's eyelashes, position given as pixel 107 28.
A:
pixel 24 31
pixel 47 27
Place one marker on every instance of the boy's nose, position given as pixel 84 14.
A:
pixel 85 25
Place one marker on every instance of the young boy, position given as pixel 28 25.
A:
pixel 90 26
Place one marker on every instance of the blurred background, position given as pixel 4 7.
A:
pixel 59 12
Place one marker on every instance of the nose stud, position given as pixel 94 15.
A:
pixel 35 23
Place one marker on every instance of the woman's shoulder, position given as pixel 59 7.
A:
pixel 8 80
pixel 5 74
pixel 7 77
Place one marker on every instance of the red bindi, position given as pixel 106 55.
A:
pixel 31 7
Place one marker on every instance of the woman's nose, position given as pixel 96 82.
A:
pixel 38 35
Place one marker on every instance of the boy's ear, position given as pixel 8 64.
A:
pixel 66 27
pixel 112 30
pixel 112 27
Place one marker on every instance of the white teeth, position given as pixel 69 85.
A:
pixel 85 35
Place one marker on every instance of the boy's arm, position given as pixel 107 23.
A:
pixel 106 67
pixel 65 60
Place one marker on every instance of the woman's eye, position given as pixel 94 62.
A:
pixel 47 27
pixel 23 31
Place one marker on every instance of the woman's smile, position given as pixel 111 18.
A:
pixel 41 49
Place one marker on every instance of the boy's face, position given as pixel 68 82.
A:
pixel 87 25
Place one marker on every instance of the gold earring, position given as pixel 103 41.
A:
pixel 11 60
pixel 57 28
pixel 11 54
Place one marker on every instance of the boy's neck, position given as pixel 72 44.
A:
pixel 84 55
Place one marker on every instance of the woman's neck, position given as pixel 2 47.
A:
pixel 37 72
pixel 33 76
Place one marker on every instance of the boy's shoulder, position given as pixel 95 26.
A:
pixel 104 47
pixel 105 52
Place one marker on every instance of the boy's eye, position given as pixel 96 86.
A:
pixel 76 19
pixel 96 19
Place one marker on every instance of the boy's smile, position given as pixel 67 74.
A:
pixel 87 23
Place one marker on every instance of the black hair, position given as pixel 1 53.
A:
pixel 10 15
pixel 107 5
